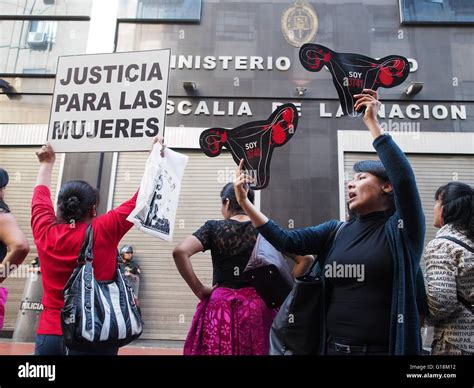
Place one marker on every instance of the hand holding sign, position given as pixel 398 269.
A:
pixel 46 154
pixel 352 73
pixel 159 140
pixel 242 183
pixel 253 142
pixel 368 100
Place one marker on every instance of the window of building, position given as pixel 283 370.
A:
pixel 33 46
pixel 238 25
pixel 41 34
pixel 437 11
pixel 161 10
pixel 46 7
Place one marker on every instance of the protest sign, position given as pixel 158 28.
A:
pixel 157 201
pixel 352 73
pixel 109 102
pixel 254 142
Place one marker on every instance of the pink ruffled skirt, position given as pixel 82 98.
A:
pixel 3 302
pixel 230 322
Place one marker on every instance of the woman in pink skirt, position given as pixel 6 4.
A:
pixel 231 318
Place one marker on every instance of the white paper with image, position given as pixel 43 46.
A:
pixel 157 201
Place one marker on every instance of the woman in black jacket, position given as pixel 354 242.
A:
pixel 371 271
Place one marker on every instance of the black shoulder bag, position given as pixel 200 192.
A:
pixel 298 328
pixel 98 314
pixel 269 273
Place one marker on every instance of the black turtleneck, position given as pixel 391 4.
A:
pixel 360 301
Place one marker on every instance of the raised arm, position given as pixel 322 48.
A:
pixel 399 171
pixel 116 219
pixel 304 241
pixel 241 188
pixel 42 209
pixel 46 157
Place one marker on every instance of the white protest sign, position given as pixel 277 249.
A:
pixel 109 102
pixel 157 201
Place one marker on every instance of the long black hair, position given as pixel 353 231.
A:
pixel 375 167
pixel 457 199
pixel 75 200
pixel 3 183
pixel 228 192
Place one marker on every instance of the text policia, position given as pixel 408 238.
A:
pixel 83 102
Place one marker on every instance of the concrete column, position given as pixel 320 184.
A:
pixel 95 168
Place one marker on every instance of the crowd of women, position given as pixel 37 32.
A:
pixel 382 314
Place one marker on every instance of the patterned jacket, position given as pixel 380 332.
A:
pixel 449 270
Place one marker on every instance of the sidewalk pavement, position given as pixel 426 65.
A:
pixel 138 348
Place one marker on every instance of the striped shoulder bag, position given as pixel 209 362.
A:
pixel 98 314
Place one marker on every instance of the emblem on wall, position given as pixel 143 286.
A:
pixel 299 23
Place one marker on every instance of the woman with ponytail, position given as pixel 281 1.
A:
pixel 449 260
pixel 58 238
pixel 231 318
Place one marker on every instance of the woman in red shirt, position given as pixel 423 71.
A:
pixel 58 238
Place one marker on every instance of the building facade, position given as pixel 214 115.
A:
pixel 233 62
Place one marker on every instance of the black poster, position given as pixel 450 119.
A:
pixel 254 142
pixel 351 73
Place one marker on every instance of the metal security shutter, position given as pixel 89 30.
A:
pixel 431 171
pixel 167 303
pixel 22 166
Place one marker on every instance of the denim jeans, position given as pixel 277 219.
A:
pixel 53 345
pixel 49 345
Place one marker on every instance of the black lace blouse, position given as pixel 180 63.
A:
pixel 231 243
